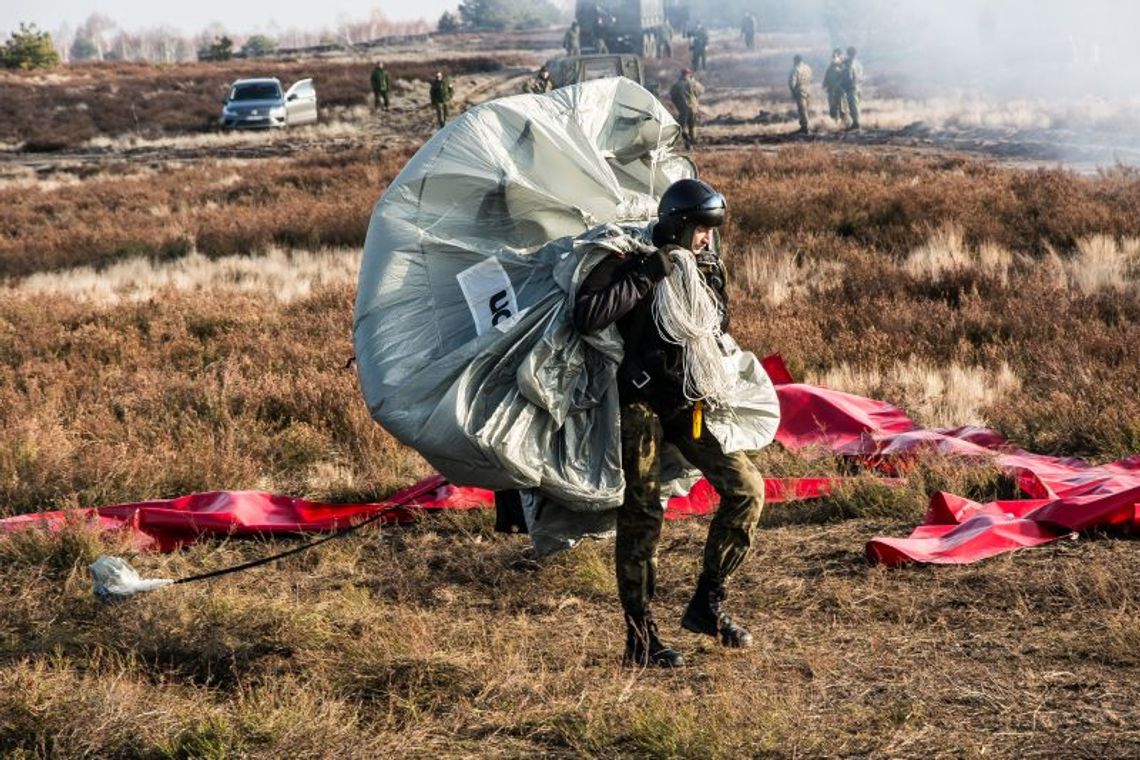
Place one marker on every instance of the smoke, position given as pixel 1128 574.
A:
pixel 1064 69
pixel 1037 79
pixel 1011 48
pixel 1000 48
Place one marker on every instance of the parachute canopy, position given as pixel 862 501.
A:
pixel 463 333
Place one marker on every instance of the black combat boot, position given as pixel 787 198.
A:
pixel 704 615
pixel 644 648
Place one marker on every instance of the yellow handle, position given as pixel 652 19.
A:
pixel 698 418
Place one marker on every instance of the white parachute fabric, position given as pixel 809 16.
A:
pixel 463 336
pixel 112 579
pixel 463 330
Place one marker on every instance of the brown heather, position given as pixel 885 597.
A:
pixel 444 638
pixel 47 113
pixel 217 209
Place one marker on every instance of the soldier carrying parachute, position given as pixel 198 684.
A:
pixel 503 272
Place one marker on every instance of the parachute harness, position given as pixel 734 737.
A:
pixel 686 314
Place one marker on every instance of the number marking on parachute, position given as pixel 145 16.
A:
pixel 489 294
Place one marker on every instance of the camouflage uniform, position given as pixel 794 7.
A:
pixel 539 84
pixel 852 83
pixel 654 410
pixel 379 81
pixel 685 95
pixel 799 82
pixel 639 519
pixel 748 30
pixel 572 40
pixel 441 92
pixel 664 35
pixel 833 86
pixel 700 46
pixel 602 30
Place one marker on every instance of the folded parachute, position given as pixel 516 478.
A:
pixel 463 332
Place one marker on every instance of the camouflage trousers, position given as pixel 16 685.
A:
pixel 853 99
pixel 441 112
pixel 640 516
pixel 688 119
pixel 837 105
pixel 803 108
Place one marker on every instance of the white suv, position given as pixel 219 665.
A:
pixel 262 103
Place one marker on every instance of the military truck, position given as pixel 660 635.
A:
pixel 573 69
pixel 627 26
pixel 678 14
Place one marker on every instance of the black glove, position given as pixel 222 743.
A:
pixel 712 268
pixel 659 264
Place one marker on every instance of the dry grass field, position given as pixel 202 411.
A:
pixel 46 112
pixel 174 326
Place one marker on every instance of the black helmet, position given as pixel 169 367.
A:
pixel 686 204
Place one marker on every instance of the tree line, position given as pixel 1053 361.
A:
pixel 100 38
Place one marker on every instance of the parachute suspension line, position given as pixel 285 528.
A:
pixel 685 311
pixel 113 579
pixel 653 159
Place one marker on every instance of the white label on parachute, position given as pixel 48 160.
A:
pixel 489 295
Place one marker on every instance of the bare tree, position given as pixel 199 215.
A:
pixel 160 44
pixel 95 30
pixel 212 31
pixel 63 38
pixel 125 46
pixel 378 24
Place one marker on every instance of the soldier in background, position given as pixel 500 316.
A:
pixel 748 30
pixel 852 82
pixel 540 83
pixel 441 92
pixel 685 94
pixel 799 82
pixel 833 86
pixel 379 81
pixel 602 25
pixel 572 40
pixel 700 45
pixel 664 35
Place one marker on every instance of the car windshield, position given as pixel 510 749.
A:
pixel 601 69
pixel 256 91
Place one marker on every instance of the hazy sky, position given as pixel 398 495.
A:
pixel 191 17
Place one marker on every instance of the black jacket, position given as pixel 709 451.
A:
pixel 620 289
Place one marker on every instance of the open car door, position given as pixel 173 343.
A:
pixel 301 103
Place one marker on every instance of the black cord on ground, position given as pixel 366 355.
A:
pixel 282 555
